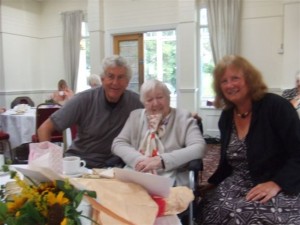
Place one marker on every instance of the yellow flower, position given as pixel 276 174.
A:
pixel 64 222
pixel 49 203
pixel 16 204
pixel 59 199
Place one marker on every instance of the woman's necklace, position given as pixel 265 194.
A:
pixel 243 115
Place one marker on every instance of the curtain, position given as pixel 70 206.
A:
pixel 71 44
pixel 224 19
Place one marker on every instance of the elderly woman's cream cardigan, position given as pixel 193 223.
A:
pixel 182 141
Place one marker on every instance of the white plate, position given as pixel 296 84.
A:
pixel 83 170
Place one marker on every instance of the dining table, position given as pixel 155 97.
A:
pixel 163 220
pixel 19 125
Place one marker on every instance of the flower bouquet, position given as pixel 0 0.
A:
pixel 47 203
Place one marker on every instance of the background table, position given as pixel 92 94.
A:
pixel 19 126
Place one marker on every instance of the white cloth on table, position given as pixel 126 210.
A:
pixel 20 126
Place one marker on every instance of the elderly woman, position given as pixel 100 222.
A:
pixel 257 180
pixel 159 139
pixel 94 80
pixel 293 95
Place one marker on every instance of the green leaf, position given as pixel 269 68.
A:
pixel 78 198
pixel 92 194
pixel 3 211
pixel 30 215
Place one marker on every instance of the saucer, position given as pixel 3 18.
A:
pixel 82 171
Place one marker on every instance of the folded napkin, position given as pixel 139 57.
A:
pixel 21 108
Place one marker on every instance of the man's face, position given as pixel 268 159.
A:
pixel 114 83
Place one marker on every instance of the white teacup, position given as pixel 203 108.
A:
pixel 72 165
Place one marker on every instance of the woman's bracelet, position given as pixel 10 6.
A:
pixel 162 162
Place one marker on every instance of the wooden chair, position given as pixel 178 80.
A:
pixel 22 100
pixel 4 141
pixel 43 112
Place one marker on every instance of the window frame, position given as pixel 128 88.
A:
pixel 205 99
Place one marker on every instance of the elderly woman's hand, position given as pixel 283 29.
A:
pixel 263 192
pixel 149 165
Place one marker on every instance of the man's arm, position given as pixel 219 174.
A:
pixel 45 130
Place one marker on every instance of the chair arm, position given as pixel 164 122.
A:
pixel 196 165
pixel 115 161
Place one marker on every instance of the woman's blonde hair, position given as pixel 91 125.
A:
pixel 253 78
pixel 61 84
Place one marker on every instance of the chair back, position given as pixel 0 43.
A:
pixel 43 112
pixel 22 100
pixel 21 154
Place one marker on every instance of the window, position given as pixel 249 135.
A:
pixel 152 55
pixel 206 61
pixel 84 60
pixel 160 59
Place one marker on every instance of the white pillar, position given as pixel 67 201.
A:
pixel 96 29
pixel 291 55
pixel 186 56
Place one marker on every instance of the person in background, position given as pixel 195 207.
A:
pixel 293 95
pixel 159 139
pixel 63 94
pixel 99 113
pixel 2 109
pixel 257 180
pixel 94 80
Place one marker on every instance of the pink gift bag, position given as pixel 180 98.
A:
pixel 46 154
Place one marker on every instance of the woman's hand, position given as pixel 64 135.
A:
pixel 295 101
pixel 149 165
pixel 263 192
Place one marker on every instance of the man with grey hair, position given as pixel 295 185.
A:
pixel 99 113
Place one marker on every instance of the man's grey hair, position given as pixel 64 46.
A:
pixel 116 61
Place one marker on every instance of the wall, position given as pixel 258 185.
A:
pixel 32 56
pixel 270 39
pixel 291 34
pixel 129 16
pixel 32 52
pixel 21 48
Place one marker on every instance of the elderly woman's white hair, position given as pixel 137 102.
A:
pixel 152 85
pixel 94 80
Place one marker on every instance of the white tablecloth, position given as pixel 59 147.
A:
pixel 19 126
